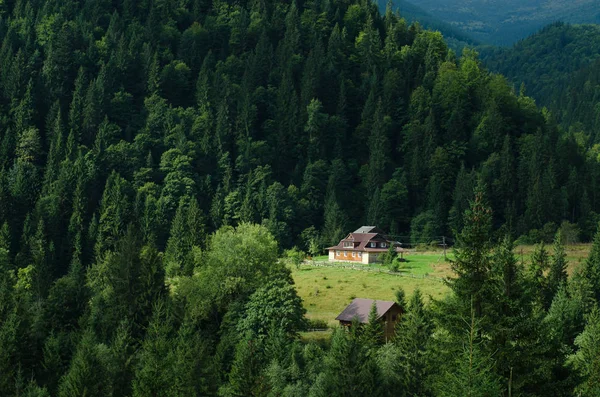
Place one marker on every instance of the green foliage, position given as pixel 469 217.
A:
pixel 275 305
pixel 372 332
pixel 155 373
pixel 413 338
pixel 295 256
pixel 559 50
pixel 87 372
pixel 558 267
pixel 472 372
pixel 586 359
pixel 156 159
pixel 592 267
pixel 187 235
pixel 347 367
pixel 390 256
pixel 472 263
pixel 424 228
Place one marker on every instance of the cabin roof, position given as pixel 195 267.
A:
pixel 362 239
pixel 361 307
pixel 368 229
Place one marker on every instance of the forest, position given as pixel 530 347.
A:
pixel 559 67
pixel 157 156
pixel 506 22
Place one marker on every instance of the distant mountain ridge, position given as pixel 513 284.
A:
pixel 413 13
pixel 505 22
pixel 547 59
pixel 560 68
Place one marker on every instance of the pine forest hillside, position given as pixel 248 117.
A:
pixel 156 158
pixel 455 38
pixel 505 22
pixel 310 134
pixel 557 67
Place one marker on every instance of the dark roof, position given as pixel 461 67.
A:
pixel 368 229
pixel 361 307
pixel 361 238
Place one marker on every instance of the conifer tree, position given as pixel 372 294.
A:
pixel 592 267
pixel 114 211
pixel 558 268
pixel 518 340
pixel 413 335
pixel 177 252
pixel 472 373
pixel 245 369
pixel 86 374
pixel 587 358
pixel 335 221
pixel 540 261
pixel 472 262
pixel 400 298
pixel 76 109
pixel 378 150
pixel 154 375
pixel 348 366
pixel 372 332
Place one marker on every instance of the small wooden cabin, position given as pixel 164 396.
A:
pixel 388 313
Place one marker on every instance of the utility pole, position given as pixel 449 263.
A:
pixel 444 243
pixel 522 261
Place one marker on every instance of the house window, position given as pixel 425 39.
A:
pixel 372 245
pixel 337 253
pixel 383 245
pixel 360 254
pixel 348 244
pixel 345 253
pixel 354 254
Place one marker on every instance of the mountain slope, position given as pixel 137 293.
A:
pixel 157 156
pixel 412 13
pixel 504 22
pixel 554 65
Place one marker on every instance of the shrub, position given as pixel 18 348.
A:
pixel 424 227
pixel 569 233
pixel 295 257
pixel 317 324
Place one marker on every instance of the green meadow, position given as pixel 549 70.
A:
pixel 326 290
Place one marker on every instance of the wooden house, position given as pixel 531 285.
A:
pixel 388 313
pixel 364 245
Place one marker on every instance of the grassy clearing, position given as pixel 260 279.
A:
pixel 319 337
pixel 321 258
pixel 576 254
pixel 427 263
pixel 327 290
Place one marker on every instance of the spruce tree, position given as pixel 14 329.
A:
pixel 587 358
pixel 372 332
pixel 87 374
pixel 540 261
pixel 558 268
pixel 472 373
pixel 472 262
pixel 245 369
pixel 154 374
pixel 592 267
pixel 413 336
pixel 517 338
